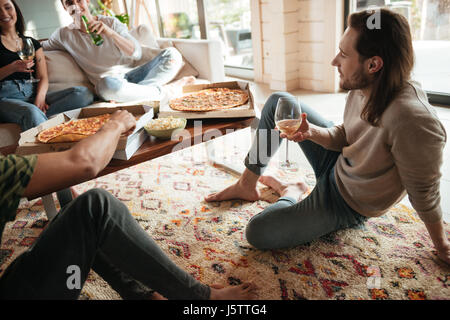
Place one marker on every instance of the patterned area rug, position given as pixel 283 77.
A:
pixel 390 257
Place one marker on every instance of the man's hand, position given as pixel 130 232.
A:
pixel 438 236
pixel 303 133
pixel 99 27
pixel 125 120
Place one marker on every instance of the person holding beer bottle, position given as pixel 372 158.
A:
pixel 110 65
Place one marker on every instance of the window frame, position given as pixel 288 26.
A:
pixel 440 98
pixel 232 71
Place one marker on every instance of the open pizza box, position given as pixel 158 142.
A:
pixel 246 110
pixel 126 147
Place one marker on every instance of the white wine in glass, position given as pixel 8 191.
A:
pixel 26 52
pixel 288 118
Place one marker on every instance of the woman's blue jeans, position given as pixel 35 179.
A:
pixel 17 97
pixel 288 223
pixel 144 82
pixel 96 231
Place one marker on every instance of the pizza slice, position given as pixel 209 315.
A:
pixel 74 130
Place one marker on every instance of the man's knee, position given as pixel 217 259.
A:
pixel 257 233
pixel 271 103
pixel 173 54
pixel 108 87
pixel 97 201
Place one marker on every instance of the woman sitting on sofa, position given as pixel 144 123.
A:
pixel 23 102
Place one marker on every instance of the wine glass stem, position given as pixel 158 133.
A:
pixel 287 151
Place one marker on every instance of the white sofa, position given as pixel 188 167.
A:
pixel 203 59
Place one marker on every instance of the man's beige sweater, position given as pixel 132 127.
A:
pixel 378 166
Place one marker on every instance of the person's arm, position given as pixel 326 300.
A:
pixel 54 42
pixel 125 45
pixel 42 75
pixel 437 234
pixel 84 161
pixel 330 138
pixel 417 149
pixel 16 66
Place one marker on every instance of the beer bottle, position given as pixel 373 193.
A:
pixel 96 38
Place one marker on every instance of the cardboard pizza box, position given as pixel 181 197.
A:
pixel 246 110
pixel 126 147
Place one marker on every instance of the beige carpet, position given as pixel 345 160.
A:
pixel 391 257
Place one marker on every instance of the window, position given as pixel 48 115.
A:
pixel 225 20
pixel 430 26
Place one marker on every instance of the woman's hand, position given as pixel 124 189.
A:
pixel 99 27
pixel 22 66
pixel 41 104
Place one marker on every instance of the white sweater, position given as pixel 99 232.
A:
pixel 378 166
pixel 96 61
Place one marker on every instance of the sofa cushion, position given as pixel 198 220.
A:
pixel 187 69
pixel 144 36
pixel 63 71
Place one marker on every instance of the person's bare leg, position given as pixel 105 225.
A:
pixel 292 190
pixel 245 291
pixel 244 188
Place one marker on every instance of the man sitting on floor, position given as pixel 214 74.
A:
pixel 93 231
pixel 390 145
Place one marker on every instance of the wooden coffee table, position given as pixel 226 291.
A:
pixel 153 148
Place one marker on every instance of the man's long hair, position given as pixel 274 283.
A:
pixel 392 42
pixel 20 23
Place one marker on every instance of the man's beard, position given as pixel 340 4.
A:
pixel 359 80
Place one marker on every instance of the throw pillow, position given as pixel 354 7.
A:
pixel 144 36
pixel 187 69
pixel 63 72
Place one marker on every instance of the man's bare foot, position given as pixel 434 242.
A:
pixel 293 190
pixel 235 191
pixel 175 88
pixel 184 81
pixel 245 291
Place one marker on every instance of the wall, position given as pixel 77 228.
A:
pixel 298 39
pixel 42 17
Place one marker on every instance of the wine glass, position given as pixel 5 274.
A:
pixel 288 118
pixel 25 50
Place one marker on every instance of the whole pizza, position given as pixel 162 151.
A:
pixel 210 99
pixel 74 130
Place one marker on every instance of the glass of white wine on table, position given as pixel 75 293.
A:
pixel 25 50
pixel 288 118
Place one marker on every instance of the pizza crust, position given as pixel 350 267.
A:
pixel 68 137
